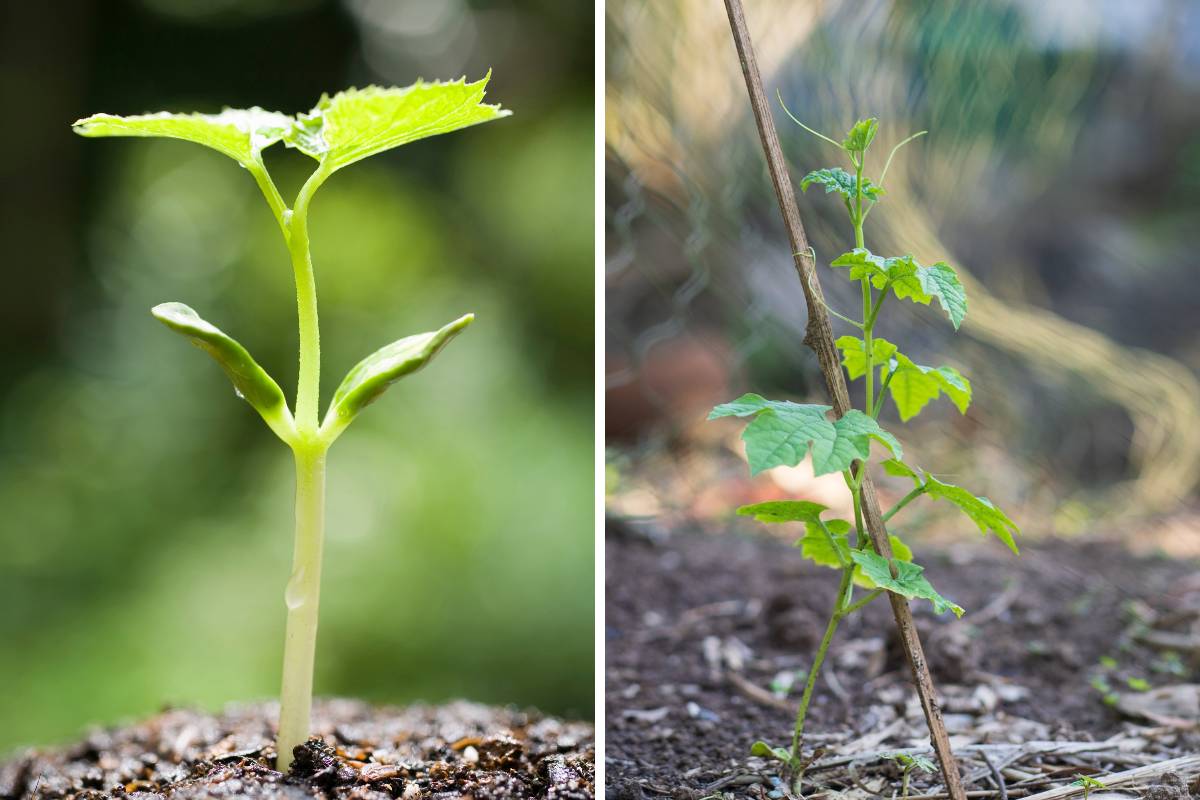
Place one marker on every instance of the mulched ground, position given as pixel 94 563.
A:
pixel 458 750
pixel 1073 642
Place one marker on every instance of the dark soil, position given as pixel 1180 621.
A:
pixel 417 753
pixel 700 626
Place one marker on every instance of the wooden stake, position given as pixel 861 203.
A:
pixel 819 337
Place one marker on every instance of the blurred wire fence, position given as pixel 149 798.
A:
pixel 1059 176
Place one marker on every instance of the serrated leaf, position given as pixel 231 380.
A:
pixel 909 580
pixel 912 386
pixel 374 374
pixel 784 511
pixel 908 279
pixel 836 179
pixel 250 381
pixel 358 123
pixel 240 133
pixel 861 135
pixel 981 510
pixel 782 433
pixel 941 281
pixel 901 470
pixel 854 355
pixel 824 550
pixel 851 442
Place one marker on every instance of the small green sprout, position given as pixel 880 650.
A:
pixel 341 130
pixel 782 433
pixel 1088 783
pixel 909 762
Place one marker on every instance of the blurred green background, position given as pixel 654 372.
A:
pixel 146 535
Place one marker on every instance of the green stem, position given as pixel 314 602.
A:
pixel 883 385
pixel 908 498
pixel 309 383
pixel 271 193
pixel 818 660
pixel 302 598
pixel 850 609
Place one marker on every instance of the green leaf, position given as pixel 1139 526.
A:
pixel 854 356
pixel 358 123
pixel 784 511
pixel 764 750
pixel 836 179
pixel 860 136
pixel 782 433
pixel 250 381
pixel 901 470
pixel 851 442
pixel 941 281
pixel 824 550
pixel 912 386
pixel 909 580
pixel 909 280
pixel 240 133
pixel 827 551
pixel 989 518
pixel 374 374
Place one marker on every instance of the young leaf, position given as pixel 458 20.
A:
pixel 784 511
pixel 358 123
pixel 764 750
pixel 836 179
pixel 909 280
pixel 854 357
pixel 240 133
pixel 901 470
pixel 851 442
pixel 912 386
pixel 825 550
pixel 250 381
pixel 989 518
pixel 374 374
pixel 782 433
pixel 909 580
pixel 860 136
pixel 941 281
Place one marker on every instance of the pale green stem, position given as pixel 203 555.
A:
pixel 303 590
pixel 308 385
pixel 850 609
pixel 271 193
pixel 302 598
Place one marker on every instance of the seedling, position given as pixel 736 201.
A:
pixel 1088 783
pixel 908 763
pixel 339 131
pixel 782 433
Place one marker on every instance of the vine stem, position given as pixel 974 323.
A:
pixel 810 684
pixel 819 336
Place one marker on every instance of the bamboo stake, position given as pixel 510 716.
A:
pixel 819 337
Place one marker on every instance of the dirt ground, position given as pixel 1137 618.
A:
pixel 417 753
pixel 1071 642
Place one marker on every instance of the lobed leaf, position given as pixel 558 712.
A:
pixel 836 179
pixel 909 580
pixel 374 374
pixel 240 133
pixel 981 510
pixel 901 470
pixel 859 138
pixel 358 123
pixel 912 386
pixel 784 511
pixel 909 280
pixel 250 381
pixel 854 357
pixel 824 551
